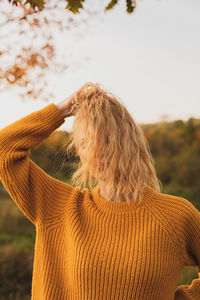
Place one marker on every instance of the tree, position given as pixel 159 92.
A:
pixel 28 45
pixel 74 5
pixel 24 23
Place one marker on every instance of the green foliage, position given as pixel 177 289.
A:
pixel 111 4
pixel 186 274
pixel 52 157
pixel 74 5
pixel 15 272
pixel 175 147
pixel 17 238
pixel 130 6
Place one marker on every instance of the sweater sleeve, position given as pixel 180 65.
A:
pixel 189 236
pixel 39 196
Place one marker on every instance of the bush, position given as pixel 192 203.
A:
pixel 16 266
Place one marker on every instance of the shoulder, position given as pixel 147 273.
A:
pixel 173 203
pixel 175 211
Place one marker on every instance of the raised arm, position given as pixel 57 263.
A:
pixel 39 196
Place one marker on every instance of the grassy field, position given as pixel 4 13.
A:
pixel 17 238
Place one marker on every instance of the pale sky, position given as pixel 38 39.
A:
pixel 149 59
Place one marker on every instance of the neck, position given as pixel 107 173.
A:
pixel 103 193
pixel 102 189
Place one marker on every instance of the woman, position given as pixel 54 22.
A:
pixel 124 239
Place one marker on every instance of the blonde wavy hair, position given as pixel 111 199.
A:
pixel 115 148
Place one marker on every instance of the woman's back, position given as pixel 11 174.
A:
pixel 88 247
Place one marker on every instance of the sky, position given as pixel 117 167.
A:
pixel 149 59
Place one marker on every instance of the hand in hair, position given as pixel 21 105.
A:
pixel 68 105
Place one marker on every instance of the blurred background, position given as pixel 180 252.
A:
pixel 146 53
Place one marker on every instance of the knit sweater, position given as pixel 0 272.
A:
pixel 88 247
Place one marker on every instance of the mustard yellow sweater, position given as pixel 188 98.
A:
pixel 87 247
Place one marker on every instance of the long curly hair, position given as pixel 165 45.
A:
pixel 115 148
